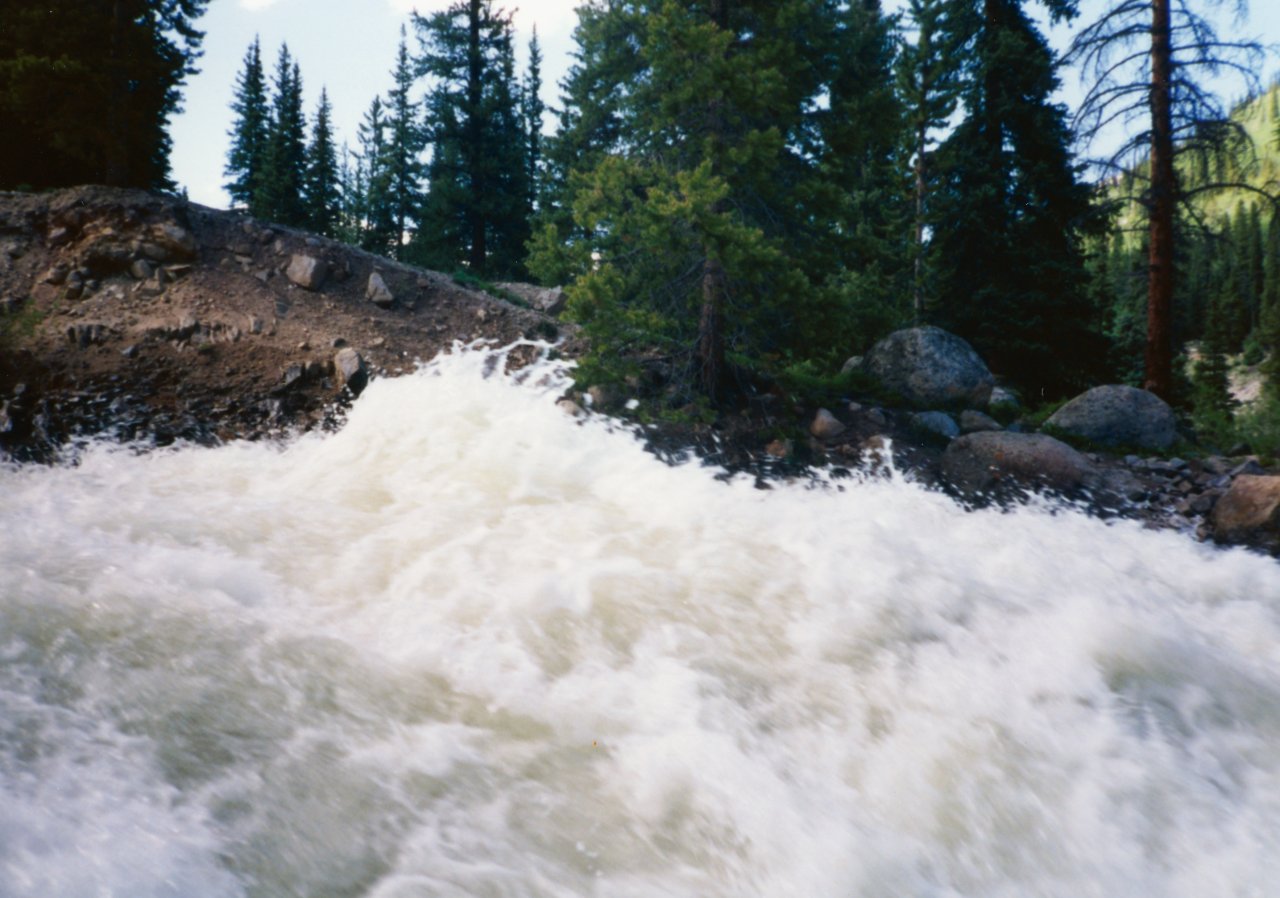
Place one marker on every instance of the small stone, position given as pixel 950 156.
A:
pixel 779 448
pixel 877 417
pixel 57 275
pixel 130 351
pixel 304 346
pixel 1203 503
pixel 1249 466
pixel 338 343
pixel 825 425
pixel 854 407
pixel 255 324
pixel 569 407
pixel 59 237
pixel 851 363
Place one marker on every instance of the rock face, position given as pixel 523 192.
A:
pixel 307 272
pixel 1116 415
pixel 1249 512
pixel 980 462
pixel 930 368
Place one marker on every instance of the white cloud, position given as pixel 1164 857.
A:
pixel 256 5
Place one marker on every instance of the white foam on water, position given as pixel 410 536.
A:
pixel 471 646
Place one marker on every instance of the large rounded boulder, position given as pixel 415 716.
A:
pixel 1117 416
pixel 993 461
pixel 1249 513
pixel 930 368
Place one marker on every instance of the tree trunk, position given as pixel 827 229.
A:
pixel 1164 187
pixel 710 348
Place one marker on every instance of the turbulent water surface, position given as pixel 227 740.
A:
pixel 467 646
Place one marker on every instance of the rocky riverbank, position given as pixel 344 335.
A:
pixel 157 320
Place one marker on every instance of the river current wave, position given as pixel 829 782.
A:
pixel 469 645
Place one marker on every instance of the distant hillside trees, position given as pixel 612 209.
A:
pixel 87 89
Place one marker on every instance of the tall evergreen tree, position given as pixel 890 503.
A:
pixel 323 184
pixel 403 148
pixel 476 210
pixel 707 159
pixel 927 78
pixel 376 212
pixel 532 110
pixel 247 154
pixel 87 89
pixel 285 164
pixel 590 124
pixel 1009 211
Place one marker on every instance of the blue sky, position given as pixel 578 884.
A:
pixel 348 47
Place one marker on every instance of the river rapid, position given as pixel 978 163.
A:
pixel 470 646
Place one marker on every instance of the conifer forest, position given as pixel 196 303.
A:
pixel 737 193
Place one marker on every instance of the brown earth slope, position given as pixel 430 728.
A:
pixel 159 319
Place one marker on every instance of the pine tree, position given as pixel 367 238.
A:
pixel 285 164
pixel 864 237
pixel 248 133
pixel 323 184
pixel 377 212
pixel 532 110
pixel 404 144
pixel 707 152
pixel 87 89
pixel 590 125
pixel 1009 212
pixel 476 211
pixel 1149 60
pixel 1269 323
pixel 927 78
pixel 1212 403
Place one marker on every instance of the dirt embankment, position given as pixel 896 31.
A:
pixel 159 320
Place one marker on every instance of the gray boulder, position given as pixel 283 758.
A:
pixel 548 300
pixel 307 272
pixel 825 425
pixel 935 424
pixel 981 462
pixel 1249 512
pixel 350 370
pixel 972 421
pixel 1116 415
pixel 930 368
pixel 377 291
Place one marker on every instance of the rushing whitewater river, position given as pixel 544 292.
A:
pixel 468 646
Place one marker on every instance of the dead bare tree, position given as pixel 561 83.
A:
pixel 1148 63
